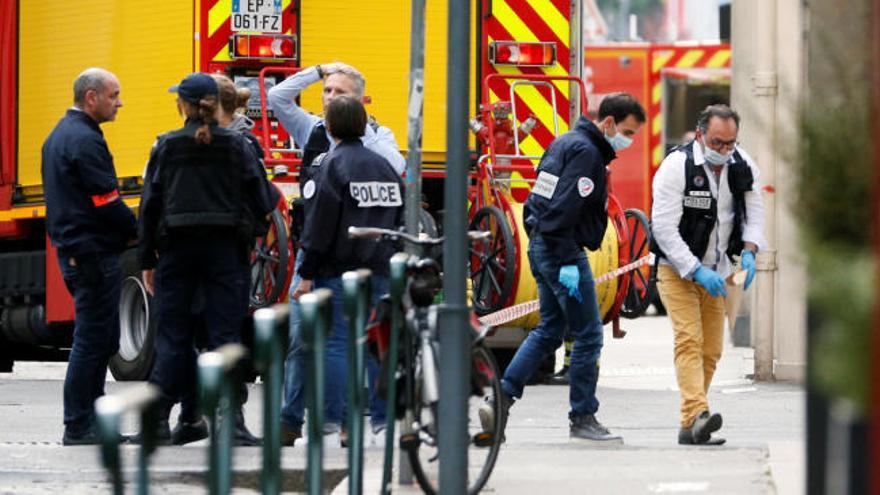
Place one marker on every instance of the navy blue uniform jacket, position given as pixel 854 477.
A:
pixel 568 204
pixel 84 211
pixel 353 186
pixel 209 191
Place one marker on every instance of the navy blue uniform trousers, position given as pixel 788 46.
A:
pixel 95 282
pixel 217 263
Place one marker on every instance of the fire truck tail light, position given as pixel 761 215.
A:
pixel 538 54
pixel 246 46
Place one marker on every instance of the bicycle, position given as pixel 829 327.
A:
pixel 417 371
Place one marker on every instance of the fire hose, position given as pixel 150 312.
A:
pixel 509 314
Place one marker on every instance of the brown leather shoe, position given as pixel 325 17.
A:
pixel 289 436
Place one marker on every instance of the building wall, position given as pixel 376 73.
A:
pixel 768 77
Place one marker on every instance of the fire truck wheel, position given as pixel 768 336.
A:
pixel 269 264
pixel 642 282
pixel 137 324
pixel 492 261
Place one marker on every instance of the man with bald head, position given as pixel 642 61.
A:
pixel 89 225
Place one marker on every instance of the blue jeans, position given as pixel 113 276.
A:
pixel 560 312
pixel 95 284
pixel 336 361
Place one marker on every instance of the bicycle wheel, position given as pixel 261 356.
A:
pixel 483 447
pixel 492 260
pixel 641 284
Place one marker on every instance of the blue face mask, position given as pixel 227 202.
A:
pixel 619 142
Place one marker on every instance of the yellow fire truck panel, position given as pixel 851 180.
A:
pixel 376 40
pixel 148 45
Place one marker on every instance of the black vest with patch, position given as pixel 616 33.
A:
pixel 203 183
pixel 700 208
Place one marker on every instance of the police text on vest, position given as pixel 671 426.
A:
pixel 369 194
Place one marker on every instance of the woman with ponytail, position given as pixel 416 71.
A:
pixel 202 187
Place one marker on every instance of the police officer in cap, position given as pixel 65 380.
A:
pixel 566 212
pixel 354 187
pixel 201 190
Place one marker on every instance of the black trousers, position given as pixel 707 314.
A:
pixel 217 266
pixel 94 281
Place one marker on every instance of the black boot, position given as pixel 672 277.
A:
pixel 243 436
pixel 701 430
pixel 487 413
pixel 187 432
pixel 588 428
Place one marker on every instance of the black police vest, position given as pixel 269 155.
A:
pixel 318 143
pixel 700 208
pixel 203 184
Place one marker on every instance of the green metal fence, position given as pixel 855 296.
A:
pixel 219 384
pixel 108 412
pixel 270 348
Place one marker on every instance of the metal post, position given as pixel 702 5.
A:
pixel 356 288
pixel 108 412
pixel 270 345
pixel 454 337
pixel 398 284
pixel 316 314
pixel 414 115
pixel 218 384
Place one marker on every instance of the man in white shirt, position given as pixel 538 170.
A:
pixel 310 134
pixel 707 210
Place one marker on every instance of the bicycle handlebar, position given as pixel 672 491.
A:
pixel 396 235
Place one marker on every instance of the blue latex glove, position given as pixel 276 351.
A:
pixel 711 281
pixel 747 262
pixel 570 278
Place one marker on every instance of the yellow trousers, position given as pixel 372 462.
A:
pixel 698 324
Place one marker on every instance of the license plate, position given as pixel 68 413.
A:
pixel 256 15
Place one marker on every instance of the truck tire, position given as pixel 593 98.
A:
pixel 137 324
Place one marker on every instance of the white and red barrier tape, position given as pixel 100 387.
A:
pixel 509 314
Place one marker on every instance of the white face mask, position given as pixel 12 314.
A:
pixel 714 157
pixel 619 142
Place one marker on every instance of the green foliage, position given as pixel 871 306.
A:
pixel 834 205
pixel 842 293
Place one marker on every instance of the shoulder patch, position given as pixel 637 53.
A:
pixel 585 186
pixel 370 194
pixel 545 184
pixel 309 189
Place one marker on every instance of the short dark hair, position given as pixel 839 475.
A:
pixel 719 110
pixel 620 106
pixel 346 118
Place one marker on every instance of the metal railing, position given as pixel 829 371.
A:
pixel 356 291
pixel 270 348
pixel 109 410
pixel 219 385
pixel 398 285
pixel 315 315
